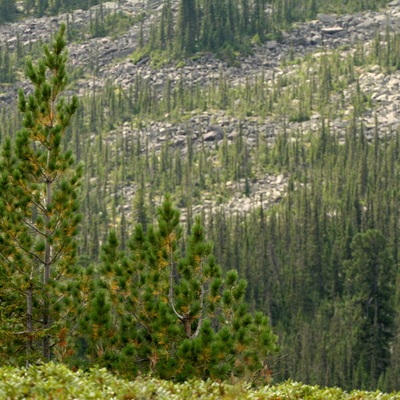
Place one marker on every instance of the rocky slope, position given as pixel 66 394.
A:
pixel 109 58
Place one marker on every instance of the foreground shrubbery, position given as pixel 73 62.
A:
pixel 56 381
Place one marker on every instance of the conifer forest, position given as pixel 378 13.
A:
pixel 198 189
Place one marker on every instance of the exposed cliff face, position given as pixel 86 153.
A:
pixel 109 58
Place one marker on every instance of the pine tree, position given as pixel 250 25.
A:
pixel 39 211
pixel 7 69
pixel 371 293
pixel 187 28
pixel 180 317
pixel 140 209
pixel 8 11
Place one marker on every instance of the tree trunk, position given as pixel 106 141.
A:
pixel 29 324
pixel 46 275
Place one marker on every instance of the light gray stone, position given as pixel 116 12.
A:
pixel 332 30
pixel 327 19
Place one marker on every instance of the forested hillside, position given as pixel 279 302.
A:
pixel 216 195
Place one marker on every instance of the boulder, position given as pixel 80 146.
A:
pixel 327 19
pixel 332 30
pixel 272 45
pixel 211 136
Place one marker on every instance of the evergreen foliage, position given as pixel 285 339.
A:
pixel 8 11
pixel 322 263
pixel 230 27
pixel 39 216
pixel 158 308
pixel 326 268
pixel 178 316
pixel 371 296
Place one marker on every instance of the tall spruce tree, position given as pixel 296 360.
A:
pixel 39 214
pixel 187 29
pixel 371 292
pixel 8 11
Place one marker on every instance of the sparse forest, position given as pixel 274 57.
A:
pixel 240 224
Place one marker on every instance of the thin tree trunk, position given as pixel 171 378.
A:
pixel 46 278
pixel 29 324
